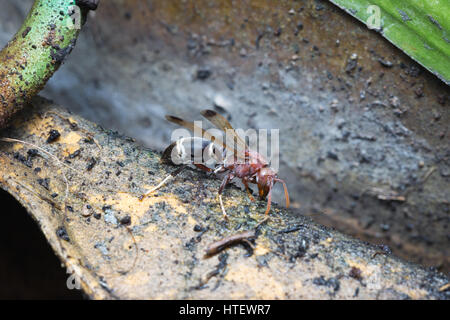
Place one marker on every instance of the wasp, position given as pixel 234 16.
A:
pixel 234 160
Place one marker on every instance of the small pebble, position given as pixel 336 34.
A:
pixel 53 135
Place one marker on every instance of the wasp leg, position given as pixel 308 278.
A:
pixel 245 182
pixel 266 218
pixel 269 199
pixel 219 169
pixel 203 167
pixel 224 213
pixel 170 176
pixel 225 181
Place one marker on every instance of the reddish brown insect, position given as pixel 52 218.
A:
pixel 244 164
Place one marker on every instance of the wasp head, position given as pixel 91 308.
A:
pixel 265 179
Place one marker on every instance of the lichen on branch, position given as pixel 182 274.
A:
pixel 37 50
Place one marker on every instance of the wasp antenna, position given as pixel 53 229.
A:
pixel 286 193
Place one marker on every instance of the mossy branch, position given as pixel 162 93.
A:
pixel 37 50
pixel 119 247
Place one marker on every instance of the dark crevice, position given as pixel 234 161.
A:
pixel 28 267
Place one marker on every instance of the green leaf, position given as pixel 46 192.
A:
pixel 420 28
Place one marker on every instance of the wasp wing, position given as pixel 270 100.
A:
pixel 192 127
pixel 221 123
